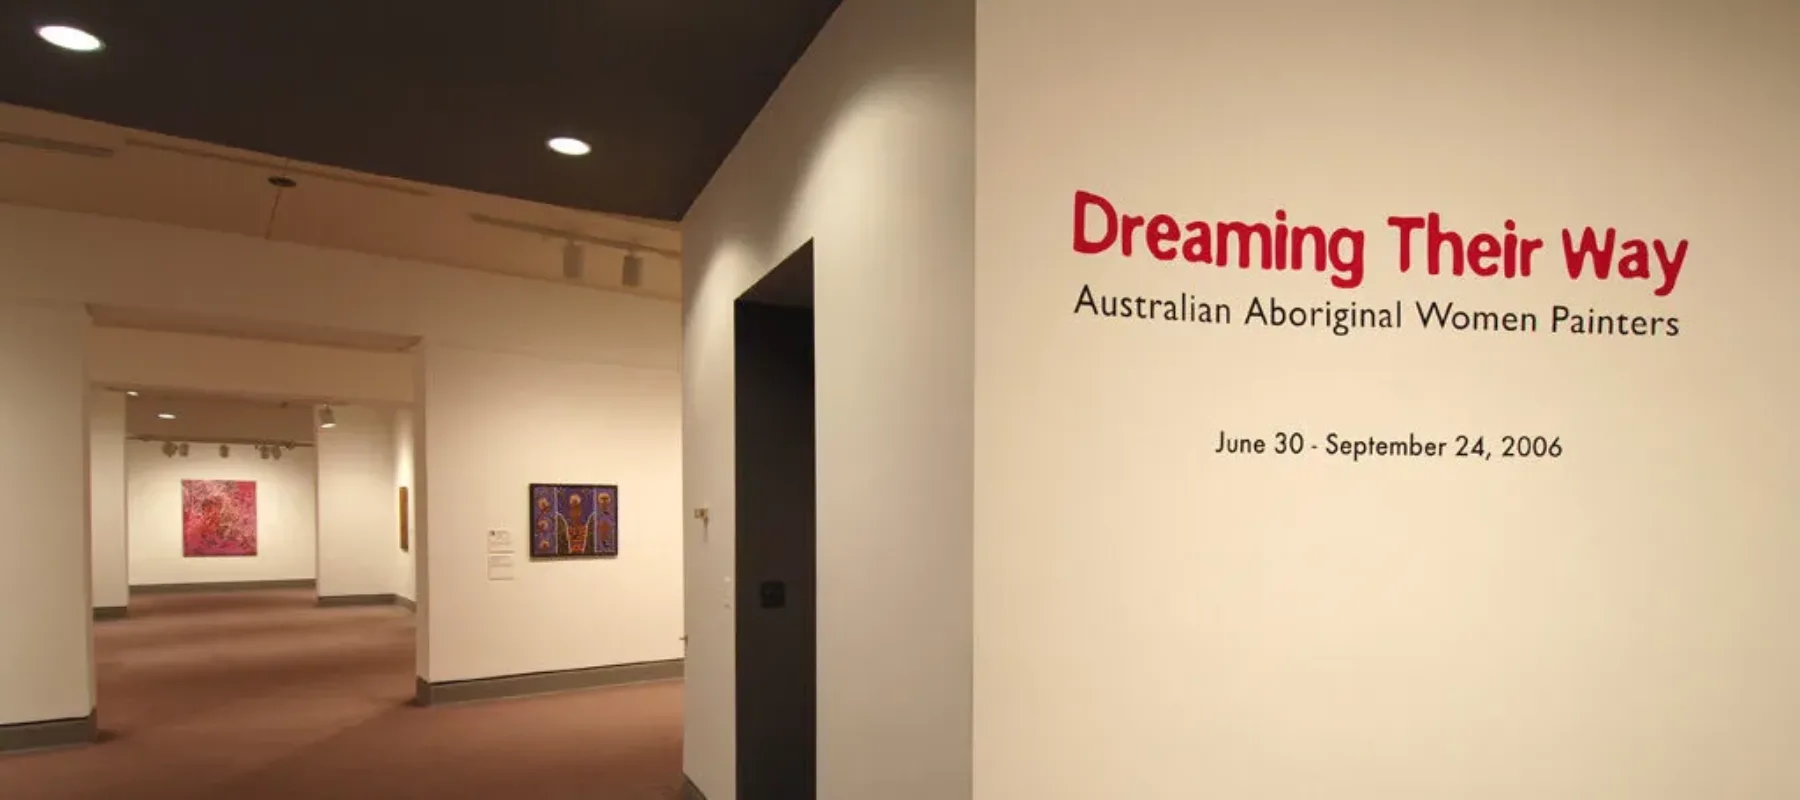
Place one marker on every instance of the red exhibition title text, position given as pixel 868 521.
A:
pixel 1425 243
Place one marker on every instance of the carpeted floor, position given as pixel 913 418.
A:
pixel 263 696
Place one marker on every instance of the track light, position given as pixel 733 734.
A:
pixel 263 450
pixel 632 271
pixel 327 419
pixel 224 451
pixel 168 449
pixel 183 449
pixel 574 261
pixel 277 453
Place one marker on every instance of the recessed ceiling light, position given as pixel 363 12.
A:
pixel 165 415
pixel 69 38
pixel 570 146
pixel 131 392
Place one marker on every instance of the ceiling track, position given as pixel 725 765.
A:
pixel 290 443
pixel 275 167
pixel 64 146
pixel 573 236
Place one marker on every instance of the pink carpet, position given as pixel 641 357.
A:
pixel 263 696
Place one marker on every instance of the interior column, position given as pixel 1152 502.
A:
pixel 106 523
pixel 46 688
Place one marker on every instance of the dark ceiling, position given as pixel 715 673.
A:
pixel 459 94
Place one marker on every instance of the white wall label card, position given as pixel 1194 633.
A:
pixel 499 541
pixel 500 567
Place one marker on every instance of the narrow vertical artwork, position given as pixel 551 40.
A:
pixel 405 522
pixel 218 518
pixel 574 520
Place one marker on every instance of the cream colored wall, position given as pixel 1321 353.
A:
pixel 359 518
pixel 867 150
pixel 287 515
pixel 406 576
pixel 499 423
pixel 245 367
pixel 79 258
pixel 106 499
pixel 1154 620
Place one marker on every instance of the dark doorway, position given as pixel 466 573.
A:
pixel 777 533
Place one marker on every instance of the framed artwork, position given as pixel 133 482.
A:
pixel 405 522
pixel 218 518
pixel 572 520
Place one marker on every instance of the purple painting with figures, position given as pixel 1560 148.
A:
pixel 573 520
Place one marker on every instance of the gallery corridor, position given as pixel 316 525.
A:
pixel 263 695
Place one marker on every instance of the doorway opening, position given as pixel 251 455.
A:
pixel 777 535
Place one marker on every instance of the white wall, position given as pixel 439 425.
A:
pixel 359 518
pixel 45 662
pixel 245 367
pixel 218 418
pixel 498 423
pixel 1158 621
pixel 286 514
pixel 72 257
pixel 405 564
pixel 867 149
pixel 106 476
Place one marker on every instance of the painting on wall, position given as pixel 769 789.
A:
pixel 218 518
pixel 574 520
pixel 405 523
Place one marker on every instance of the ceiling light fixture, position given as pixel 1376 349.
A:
pixel 131 393
pixel 224 451
pixel 183 449
pixel 570 146
pixel 69 38
pixel 326 418
pixel 165 415
pixel 631 272
pixel 168 449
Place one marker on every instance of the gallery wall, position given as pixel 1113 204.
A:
pixel 245 367
pixel 44 577
pixel 495 423
pixel 866 150
pixel 162 414
pixel 358 504
pixel 1609 616
pixel 286 508
pixel 57 255
pixel 404 563
pixel 106 493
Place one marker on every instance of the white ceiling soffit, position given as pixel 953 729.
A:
pixel 55 161
pixel 143 319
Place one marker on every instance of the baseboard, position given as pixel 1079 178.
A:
pixel 433 694
pixel 54 733
pixel 689 791
pixel 224 586
pixel 103 613
pixel 357 600
pixel 340 600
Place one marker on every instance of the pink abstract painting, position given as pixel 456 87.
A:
pixel 218 518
